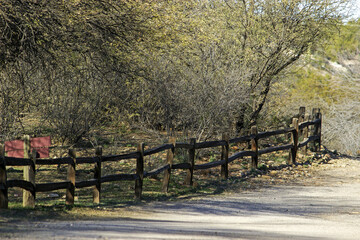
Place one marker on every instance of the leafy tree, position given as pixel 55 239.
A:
pixel 192 64
pixel 225 62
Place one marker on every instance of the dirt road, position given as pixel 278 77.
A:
pixel 325 205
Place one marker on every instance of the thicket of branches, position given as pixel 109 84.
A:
pixel 330 81
pixel 202 65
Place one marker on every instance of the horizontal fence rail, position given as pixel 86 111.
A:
pixel 309 128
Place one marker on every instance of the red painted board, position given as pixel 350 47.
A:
pixel 15 148
pixel 42 152
pixel 14 145
pixel 16 153
pixel 40 142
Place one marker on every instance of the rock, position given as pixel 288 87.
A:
pixel 53 195
pixel 273 173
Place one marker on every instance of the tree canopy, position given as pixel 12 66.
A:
pixel 202 65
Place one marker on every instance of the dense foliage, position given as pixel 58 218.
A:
pixel 206 66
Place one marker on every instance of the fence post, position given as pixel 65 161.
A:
pixel 29 174
pixel 190 171
pixel 301 113
pixel 314 129
pixel 4 201
pixel 139 171
pixel 169 159
pixel 306 132
pixel 317 131
pixel 225 156
pixel 97 176
pixel 295 140
pixel 70 192
pixel 301 119
pixel 315 111
pixel 254 147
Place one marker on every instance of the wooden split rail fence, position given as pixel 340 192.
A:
pixel 309 126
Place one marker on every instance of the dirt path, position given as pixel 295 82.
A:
pixel 324 203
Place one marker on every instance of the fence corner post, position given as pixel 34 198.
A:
pixel 70 191
pixel 169 160
pixel 4 200
pixel 225 156
pixel 97 176
pixel 254 147
pixel 190 171
pixel 139 171
pixel 295 141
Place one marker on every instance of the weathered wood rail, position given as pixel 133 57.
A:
pixel 308 125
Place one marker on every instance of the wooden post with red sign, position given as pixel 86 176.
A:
pixel 15 148
pixel 29 174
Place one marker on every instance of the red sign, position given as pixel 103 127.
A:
pixel 40 142
pixel 15 148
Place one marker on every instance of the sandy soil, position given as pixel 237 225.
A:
pixel 324 203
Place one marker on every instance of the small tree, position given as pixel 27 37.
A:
pixel 227 57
